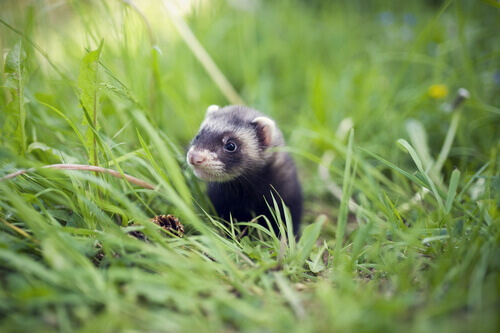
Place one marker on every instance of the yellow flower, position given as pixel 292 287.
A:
pixel 438 91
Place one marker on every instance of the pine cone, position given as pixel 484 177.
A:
pixel 169 223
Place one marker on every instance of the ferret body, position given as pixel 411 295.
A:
pixel 234 152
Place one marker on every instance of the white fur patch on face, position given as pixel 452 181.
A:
pixel 205 164
pixel 201 156
pixel 251 144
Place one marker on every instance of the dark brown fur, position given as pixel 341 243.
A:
pixel 262 171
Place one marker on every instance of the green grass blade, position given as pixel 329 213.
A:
pixel 89 97
pixel 308 239
pixel 346 195
pixel 418 138
pixel 16 79
pixel 452 190
pixel 420 167
pixel 172 168
pixel 396 168
pixel 448 141
pixel 73 126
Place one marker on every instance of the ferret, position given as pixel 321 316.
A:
pixel 234 151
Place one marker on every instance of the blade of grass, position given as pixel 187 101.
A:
pixel 308 239
pixel 202 55
pixel 396 168
pixel 75 129
pixel 165 155
pixel 452 190
pixel 471 180
pixel 14 67
pixel 344 203
pixel 39 49
pixel 89 97
pixel 420 168
pixel 290 295
pixel 418 138
pixel 448 141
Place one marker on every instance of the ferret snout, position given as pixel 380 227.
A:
pixel 196 157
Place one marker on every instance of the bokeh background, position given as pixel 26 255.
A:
pixel 387 69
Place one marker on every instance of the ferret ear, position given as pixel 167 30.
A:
pixel 212 109
pixel 265 130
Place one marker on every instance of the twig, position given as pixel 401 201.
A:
pixel 84 167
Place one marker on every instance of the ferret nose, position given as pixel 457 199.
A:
pixel 196 158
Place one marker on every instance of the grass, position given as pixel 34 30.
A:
pixel 401 225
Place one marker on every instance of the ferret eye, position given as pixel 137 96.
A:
pixel 197 137
pixel 230 146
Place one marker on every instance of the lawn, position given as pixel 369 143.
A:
pixel 391 111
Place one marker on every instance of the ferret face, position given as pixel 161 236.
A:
pixel 232 142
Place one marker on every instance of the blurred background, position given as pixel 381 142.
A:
pixel 419 252
pixel 318 67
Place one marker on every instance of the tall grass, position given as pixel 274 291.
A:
pixel 401 223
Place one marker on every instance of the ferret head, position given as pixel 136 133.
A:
pixel 232 141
